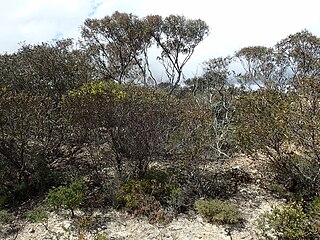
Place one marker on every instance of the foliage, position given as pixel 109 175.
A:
pixel 5 217
pixel 85 223
pixel 37 215
pixel 30 140
pixel 34 130
pixel 289 222
pixel 263 68
pixel 285 128
pixel 217 211
pixel 46 69
pixel 147 195
pixel 278 68
pixel 101 236
pixel 262 120
pixel 177 37
pixel 194 182
pixel 117 44
pixel 300 53
pixel 135 122
pixel 69 197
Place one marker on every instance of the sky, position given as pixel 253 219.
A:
pixel 233 23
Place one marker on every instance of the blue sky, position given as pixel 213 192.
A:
pixel 233 23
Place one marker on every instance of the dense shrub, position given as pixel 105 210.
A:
pixel 217 211
pixel 30 141
pixel 135 123
pixel 284 127
pixel 5 217
pixel 37 215
pixel 195 182
pixel 69 197
pixel 281 118
pixel 148 195
pixel 290 222
pixel 49 69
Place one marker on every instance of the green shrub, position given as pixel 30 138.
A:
pixel 137 121
pixel 5 217
pixel 314 213
pixel 38 215
pixel 148 195
pixel 284 127
pixel 101 236
pixel 279 190
pixel 131 194
pixel 85 223
pixel 289 222
pixel 217 211
pixel 69 197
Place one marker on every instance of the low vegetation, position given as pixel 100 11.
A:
pixel 291 221
pixel 217 211
pixel 69 197
pixel 91 127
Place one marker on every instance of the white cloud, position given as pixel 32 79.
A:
pixel 234 23
pixel 37 21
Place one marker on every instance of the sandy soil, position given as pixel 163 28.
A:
pixel 252 199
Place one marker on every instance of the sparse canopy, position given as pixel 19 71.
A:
pixel 119 43
pixel 115 43
pixel 177 37
pixel 278 67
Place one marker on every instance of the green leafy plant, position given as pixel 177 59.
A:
pixel 5 217
pixel 69 197
pixel 85 223
pixel 278 189
pixel 101 236
pixel 147 196
pixel 217 211
pixel 37 215
pixel 136 122
pixel 289 222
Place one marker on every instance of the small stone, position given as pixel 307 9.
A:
pixel 32 230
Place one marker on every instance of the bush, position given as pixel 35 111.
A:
pixel 134 122
pixel 149 196
pixel 284 127
pixel 289 222
pixel 37 215
pixel 30 142
pixel 69 197
pixel 195 183
pixel 5 217
pixel 314 213
pixel 217 211
pixel 33 129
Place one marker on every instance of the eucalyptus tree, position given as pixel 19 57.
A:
pixel 300 53
pixel 214 90
pixel 278 67
pixel 177 37
pixel 263 67
pixel 117 45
